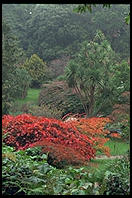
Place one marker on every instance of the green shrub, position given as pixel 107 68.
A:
pixel 60 78
pixel 24 172
pixel 13 171
pixel 117 179
pixel 58 95
pixel 28 173
pixel 44 110
pixel 126 129
pixel 37 69
pixel 15 108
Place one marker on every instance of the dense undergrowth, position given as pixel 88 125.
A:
pixel 43 156
pixel 37 177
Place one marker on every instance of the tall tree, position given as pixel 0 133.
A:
pixel 12 55
pixel 92 74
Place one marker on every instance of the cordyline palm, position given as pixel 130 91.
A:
pixel 74 82
pixel 89 74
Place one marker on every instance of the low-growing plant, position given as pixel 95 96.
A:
pixel 24 174
pixel 117 179
pixel 37 177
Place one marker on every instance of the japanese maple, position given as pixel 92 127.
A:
pixel 25 130
pixel 93 128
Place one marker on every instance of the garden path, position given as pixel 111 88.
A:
pixel 111 157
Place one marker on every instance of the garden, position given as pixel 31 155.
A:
pixel 72 156
pixel 65 99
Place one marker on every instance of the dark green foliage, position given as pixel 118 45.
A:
pixel 22 80
pixel 117 179
pixel 97 75
pixel 58 95
pixel 37 177
pixel 47 110
pixel 20 178
pixel 89 73
pixel 12 56
pixel 89 7
pixel 53 30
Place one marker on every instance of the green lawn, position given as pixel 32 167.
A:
pixel 32 96
pixel 117 147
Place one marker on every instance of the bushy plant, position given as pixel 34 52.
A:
pixel 36 177
pixel 122 109
pixel 94 129
pixel 61 155
pixel 22 82
pixel 12 172
pixel 117 179
pixel 46 111
pixel 59 63
pixel 60 78
pixel 125 125
pixel 24 130
pixel 20 178
pixel 16 108
pixel 37 69
pixel 58 95
pixel 121 127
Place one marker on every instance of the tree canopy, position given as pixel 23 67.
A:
pixel 53 30
pixel 95 74
pixel 37 69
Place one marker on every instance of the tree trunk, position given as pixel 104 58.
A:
pixel 91 101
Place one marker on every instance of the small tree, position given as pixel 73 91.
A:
pixel 91 74
pixel 37 69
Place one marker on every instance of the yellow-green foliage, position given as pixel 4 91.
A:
pixel 10 156
pixel 36 67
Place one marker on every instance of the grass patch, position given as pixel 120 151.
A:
pixel 117 147
pixel 32 96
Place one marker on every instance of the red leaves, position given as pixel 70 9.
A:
pixel 115 135
pixel 27 131
pixel 93 128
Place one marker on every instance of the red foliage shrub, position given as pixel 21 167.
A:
pixel 24 130
pixel 60 64
pixel 115 135
pixel 61 153
pixel 94 129
pixel 121 111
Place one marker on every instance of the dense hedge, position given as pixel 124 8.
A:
pixel 58 95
